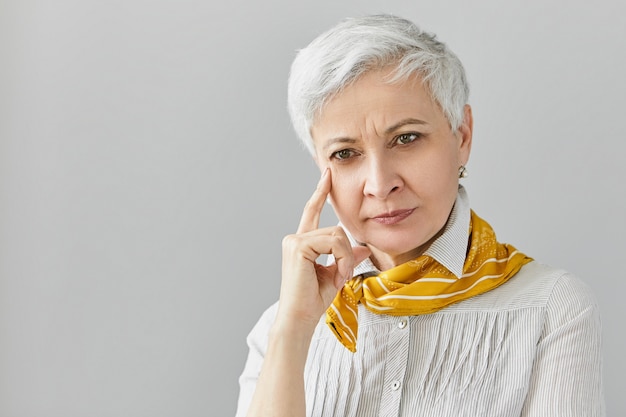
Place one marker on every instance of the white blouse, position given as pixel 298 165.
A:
pixel 531 347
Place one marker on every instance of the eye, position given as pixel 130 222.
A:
pixel 407 138
pixel 343 154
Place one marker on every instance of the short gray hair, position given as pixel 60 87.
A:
pixel 338 57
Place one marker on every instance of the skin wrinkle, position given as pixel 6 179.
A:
pixel 379 174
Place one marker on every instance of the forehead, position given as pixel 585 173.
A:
pixel 372 100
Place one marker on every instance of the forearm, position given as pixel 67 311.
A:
pixel 307 289
pixel 280 387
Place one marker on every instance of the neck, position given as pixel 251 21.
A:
pixel 384 261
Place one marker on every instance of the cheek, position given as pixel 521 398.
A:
pixel 344 193
pixel 442 166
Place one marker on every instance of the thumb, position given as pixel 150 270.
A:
pixel 360 253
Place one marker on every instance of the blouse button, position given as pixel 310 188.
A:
pixel 395 385
pixel 402 324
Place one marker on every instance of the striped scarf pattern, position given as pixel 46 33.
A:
pixel 423 285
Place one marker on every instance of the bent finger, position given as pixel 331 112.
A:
pixel 311 245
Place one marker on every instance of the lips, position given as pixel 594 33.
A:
pixel 393 217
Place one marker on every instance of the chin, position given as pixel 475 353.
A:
pixel 395 244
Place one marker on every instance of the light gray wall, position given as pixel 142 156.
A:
pixel 148 172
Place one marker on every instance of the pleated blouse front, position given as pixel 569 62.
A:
pixel 528 348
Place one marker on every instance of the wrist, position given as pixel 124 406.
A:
pixel 294 329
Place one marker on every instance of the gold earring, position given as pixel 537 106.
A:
pixel 463 172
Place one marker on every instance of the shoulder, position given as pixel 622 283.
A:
pixel 570 302
pixel 552 288
pixel 537 286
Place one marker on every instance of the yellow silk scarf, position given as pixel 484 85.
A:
pixel 423 285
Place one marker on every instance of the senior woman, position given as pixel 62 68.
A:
pixel 420 311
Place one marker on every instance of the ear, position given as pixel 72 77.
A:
pixel 464 133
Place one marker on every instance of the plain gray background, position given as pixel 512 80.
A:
pixel 148 173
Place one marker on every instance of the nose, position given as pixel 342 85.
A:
pixel 382 178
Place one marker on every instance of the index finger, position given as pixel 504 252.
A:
pixel 310 219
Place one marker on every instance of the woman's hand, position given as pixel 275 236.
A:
pixel 306 291
pixel 308 288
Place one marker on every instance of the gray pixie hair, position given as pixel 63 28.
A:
pixel 355 46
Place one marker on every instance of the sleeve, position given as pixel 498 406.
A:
pixel 257 346
pixel 567 374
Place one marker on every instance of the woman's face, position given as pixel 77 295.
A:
pixel 394 163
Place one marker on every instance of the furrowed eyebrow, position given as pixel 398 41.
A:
pixel 390 129
pixel 331 142
pixel 404 122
